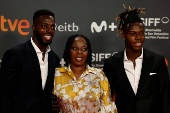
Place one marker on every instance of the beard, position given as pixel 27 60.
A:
pixel 40 40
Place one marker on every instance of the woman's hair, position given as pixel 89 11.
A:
pixel 128 17
pixel 69 43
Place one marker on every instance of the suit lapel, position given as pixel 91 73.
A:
pixel 51 70
pixel 33 61
pixel 147 65
pixel 122 74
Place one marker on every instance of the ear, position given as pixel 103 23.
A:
pixel 33 27
pixel 123 35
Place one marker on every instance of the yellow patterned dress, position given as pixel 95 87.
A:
pixel 89 94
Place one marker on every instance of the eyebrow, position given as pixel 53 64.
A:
pixel 81 46
pixel 48 24
pixel 134 30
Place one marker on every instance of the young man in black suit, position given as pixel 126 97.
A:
pixel 27 70
pixel 138 77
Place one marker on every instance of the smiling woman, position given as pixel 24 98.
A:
pixel 78 86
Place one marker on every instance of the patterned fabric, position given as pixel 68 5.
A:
pixel 89 94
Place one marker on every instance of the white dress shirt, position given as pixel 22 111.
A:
pixel 43 64
pixel 132 73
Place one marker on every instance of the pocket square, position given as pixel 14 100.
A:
pixel 152 73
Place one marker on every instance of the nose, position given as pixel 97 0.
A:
pixel 79 51
pixel 48 29
pixel 138 36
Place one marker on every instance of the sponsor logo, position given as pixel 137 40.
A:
pixel 155 21
pixel 12 26
pixel 158 33
pixel 103 26
pixel 67 27
pixel 98 57
pixel 23 26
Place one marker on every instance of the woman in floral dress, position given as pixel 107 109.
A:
pixel 79 87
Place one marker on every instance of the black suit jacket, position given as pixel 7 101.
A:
pixel 153 94
pixel 21 84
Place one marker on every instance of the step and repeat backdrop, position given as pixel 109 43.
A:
pixel 92 18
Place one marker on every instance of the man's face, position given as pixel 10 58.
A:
pixel 135 37
pixel 44 29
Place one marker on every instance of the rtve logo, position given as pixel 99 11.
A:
pixel 13 25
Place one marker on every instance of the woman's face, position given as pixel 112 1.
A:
pixel 78 52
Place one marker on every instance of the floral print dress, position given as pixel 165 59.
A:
pixel 89 94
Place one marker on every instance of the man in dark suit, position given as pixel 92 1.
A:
pixel 27 70
pixel 138 77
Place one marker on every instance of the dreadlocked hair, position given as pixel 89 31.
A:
pixel 128 17
pixel 69 43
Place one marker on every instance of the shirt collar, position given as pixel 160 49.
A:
pixel 126 59
pixel 88 70
pixel 48 49
pixel 71 74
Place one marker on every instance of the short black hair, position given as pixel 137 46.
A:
pixel 128 17
pixel 69 43
pixel 42 12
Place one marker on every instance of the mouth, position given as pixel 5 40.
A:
pixel 138 44
pixel 47 37
pixel 79 59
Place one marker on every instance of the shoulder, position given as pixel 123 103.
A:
pixel 152 54
pixel 13 56
pixel 52 53
pixel 17 50
pixel 96 71
pixel 100 76
pixel 19 47
pixel 62 69
pixel 158 59
pixel 59 71
pixel 54 59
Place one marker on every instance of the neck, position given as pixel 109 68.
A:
pixel 39 45
pixel 78 70
pixel 133 55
